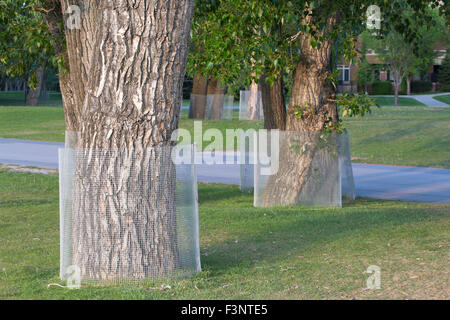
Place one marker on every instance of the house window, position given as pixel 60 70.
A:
pixel 377 74
pixel 344 74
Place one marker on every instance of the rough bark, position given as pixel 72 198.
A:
pixel 198 101
pixel 215 106
pixel 312 91
pixel 32 96
pixel 133 57
pixel 274 106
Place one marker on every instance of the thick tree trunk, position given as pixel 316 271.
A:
pixel 215 105
pixel 273 104
pixel 198 100
pixel 313 93
pixel 124 218
pixel 32 96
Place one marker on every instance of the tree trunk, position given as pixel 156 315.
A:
pixel 312 91
pixel 134 56
pixel 396 89
pixel 32 96
pixel 53 14
pixel 215 105
pixel 273 104
pixel 253 106
pixel 198 100
pixel 408 86
pixel 44 91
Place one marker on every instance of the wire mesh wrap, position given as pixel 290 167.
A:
pixel 228 107
pixel 246 161
pixel 197 106
pixel 211 107
pixel 219 107
pixel 246 113
pixel 307 173
pixel 128 215
pixel 345 167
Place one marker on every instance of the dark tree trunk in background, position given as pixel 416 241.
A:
pixel 32 95
pixel 273 104
pixel 311 85
pixel 133 56
pixel 53 14
pixel 218 91
pixel 44 91
pixel 198 103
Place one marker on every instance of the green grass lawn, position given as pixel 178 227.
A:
pixel 412 135
pixel 444 99
pixel 246 252
pixel 402 101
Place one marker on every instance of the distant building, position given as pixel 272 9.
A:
pixel 348 77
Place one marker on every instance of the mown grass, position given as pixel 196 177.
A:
pixel 246 252
pixel 444 99
pixel 402 101
pixel 412 135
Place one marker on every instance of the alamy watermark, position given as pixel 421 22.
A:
pixel 374 281
pixel 373 14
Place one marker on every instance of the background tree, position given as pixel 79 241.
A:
pixel 365 74
pixel 297 36
pixel 444 74
pixel 26 48
pixel 404 58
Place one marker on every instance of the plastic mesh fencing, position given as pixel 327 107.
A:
pixel 211 107
pixel 219 107
pixel 228 107
pixel 307 173
pixel 250 113
pixel 127 216
pixel 253 181
pixel 246 161
pixel 345 167
pixel 197 106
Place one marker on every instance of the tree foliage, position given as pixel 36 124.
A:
pixel 258 37
pixel 444 73
pixel 25 42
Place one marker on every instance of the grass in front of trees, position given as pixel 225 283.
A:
pixel 402 101
pixel 246 252
pixel 444 98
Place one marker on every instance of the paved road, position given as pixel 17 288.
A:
pixel 374 181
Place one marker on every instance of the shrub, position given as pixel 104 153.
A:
pixel 381 87
pixel 444 72
pixel 445 88
pixel 421 86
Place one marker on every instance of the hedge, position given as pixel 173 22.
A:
pixel 381 87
